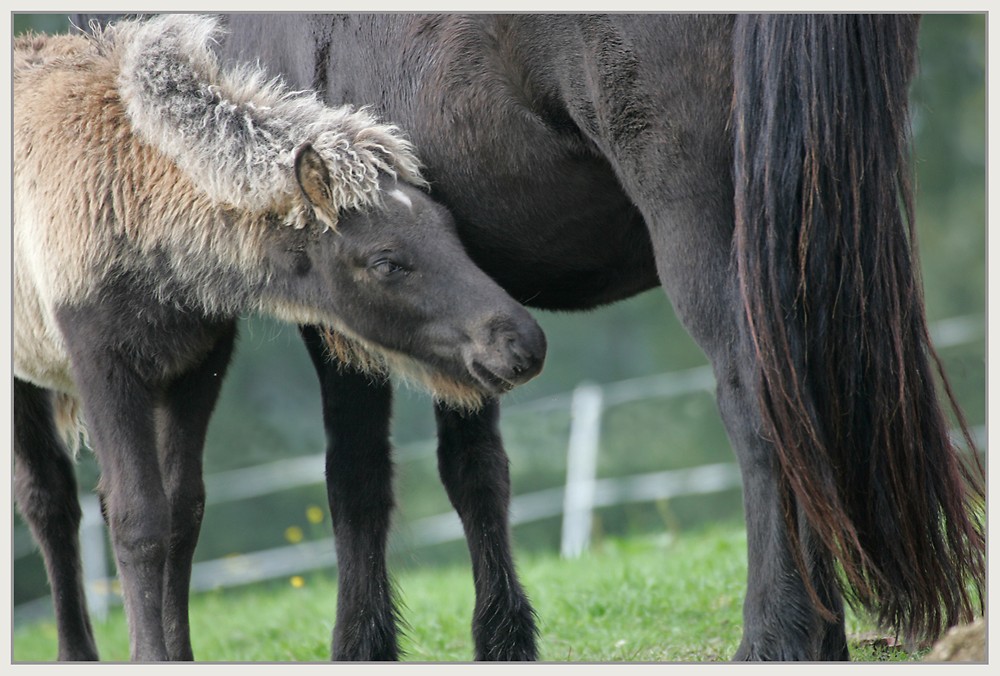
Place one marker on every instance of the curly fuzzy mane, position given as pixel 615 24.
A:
pixel 235 132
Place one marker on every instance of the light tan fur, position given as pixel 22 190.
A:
pixel 83 185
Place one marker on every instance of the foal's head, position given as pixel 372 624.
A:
pixel 398 293
pixel 347 241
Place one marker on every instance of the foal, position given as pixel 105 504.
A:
pixel 157 198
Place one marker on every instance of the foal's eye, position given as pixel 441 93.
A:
pixel 386 267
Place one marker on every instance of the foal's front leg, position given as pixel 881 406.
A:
pixel 474 468
pixel 119 410
pixel 183 412
pixel 356 413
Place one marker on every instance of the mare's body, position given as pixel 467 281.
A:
pixel 755 167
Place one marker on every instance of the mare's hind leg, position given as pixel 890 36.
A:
pixel 665 130
pixel 474 468
pixel 356 413
pixel 780 620
pixel 692 244
pixel 830 642
pixel 183 412
pixel 46 496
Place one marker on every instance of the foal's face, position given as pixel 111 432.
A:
pixel 397 283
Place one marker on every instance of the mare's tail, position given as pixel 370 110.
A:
pixel 828 272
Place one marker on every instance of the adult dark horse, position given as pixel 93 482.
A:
pixel 756 167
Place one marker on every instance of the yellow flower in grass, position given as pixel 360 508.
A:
pixel 297 581
pixel 314 514
pixel 294 534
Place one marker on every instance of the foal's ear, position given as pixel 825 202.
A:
pixel 313 176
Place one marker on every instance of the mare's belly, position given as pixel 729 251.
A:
pixel 563 236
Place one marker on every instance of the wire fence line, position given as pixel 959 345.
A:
pixel 582 493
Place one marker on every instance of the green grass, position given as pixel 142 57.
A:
pixel 648 599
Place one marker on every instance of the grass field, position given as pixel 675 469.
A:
pixel 649 599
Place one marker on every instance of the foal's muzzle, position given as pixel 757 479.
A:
pixel 507 353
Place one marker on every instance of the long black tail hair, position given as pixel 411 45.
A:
pixel 827 262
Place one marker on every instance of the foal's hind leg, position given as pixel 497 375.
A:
pixel 46 495
pixel 474 469
pixel 183 413
pixel 356 413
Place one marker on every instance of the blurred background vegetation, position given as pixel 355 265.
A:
pixel 270 411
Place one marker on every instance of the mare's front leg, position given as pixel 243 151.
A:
pixel 46 495
pixel 182 416
pixel 474 468
pixel 118 406
pixel 356 414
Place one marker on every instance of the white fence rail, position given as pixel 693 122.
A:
pixel 576 501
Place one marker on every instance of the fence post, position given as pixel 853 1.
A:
pixel 95 562
pixel 581 469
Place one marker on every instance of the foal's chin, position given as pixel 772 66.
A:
pixel 465 393
pixel 457 395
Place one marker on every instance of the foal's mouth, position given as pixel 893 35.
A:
pixel 489 380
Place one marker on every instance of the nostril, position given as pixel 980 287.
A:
pixel 520 364
pixel 527 353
